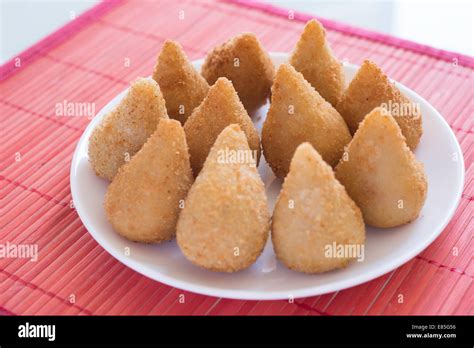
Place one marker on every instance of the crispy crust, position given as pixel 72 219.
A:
pixel 126 128
pixel 313 210
pixel 253 76
pixel 225 209
pixel 313 120
pixel 313 57
pixel 369 89
pixel 182 86
pixel 381 174
pixel 143 200
pixel 220 108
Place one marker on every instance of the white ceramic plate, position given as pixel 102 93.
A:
pixel 268 279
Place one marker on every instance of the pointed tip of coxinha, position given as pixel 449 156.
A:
pixel 368 65
pixel 172 49
pixel 246 37
pixel 380 118
pixel 221 94
pixel 224 89
pixel 234 128
pixel 286 71
pixel 232 136
pixel 369 71
pixel 173 58
pixel 313 57
pixel 231 147
pixel 306 159
pixel 381 174
pixel 305 153
pixel 141 88
pixel 181 84
pixel 380 123
pixel 169 130
pixel 288 78
pixel 314 30
pixel 219 108
pixel 171 124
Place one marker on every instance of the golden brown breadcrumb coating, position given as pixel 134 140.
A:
pixel 298 114
pixel 220 108
pixel 312 212
pixel 124 130
pixel 313 58
pixel 225 221
pixel 143 201
pixel 371 88
pixel 381 174
pixel 243 61
pixel 182 86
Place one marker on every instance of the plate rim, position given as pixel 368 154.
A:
pixel 279 294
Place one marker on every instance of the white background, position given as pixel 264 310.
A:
pixel 442 24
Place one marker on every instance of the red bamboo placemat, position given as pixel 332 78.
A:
pixel 85 62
